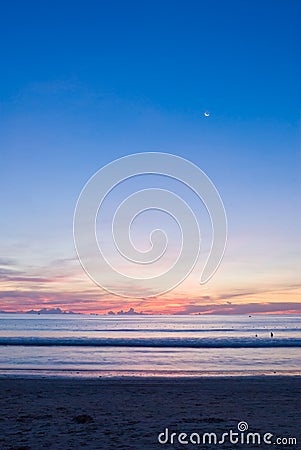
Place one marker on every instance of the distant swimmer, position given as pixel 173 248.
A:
pixel 272 334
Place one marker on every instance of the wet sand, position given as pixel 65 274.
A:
pixel 130 413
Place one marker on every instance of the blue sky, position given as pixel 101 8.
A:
pixel 83 83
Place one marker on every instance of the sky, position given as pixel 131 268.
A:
pixel 84 83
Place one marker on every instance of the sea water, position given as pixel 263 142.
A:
pixel 140 345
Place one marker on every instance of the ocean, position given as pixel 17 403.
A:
pixel 136 345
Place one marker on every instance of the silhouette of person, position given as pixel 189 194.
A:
pixel 272 334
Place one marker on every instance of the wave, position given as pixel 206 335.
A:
pixel 153 343
pixel 181 330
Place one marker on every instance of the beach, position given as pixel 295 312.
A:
pixel 130 413
pixel 107 383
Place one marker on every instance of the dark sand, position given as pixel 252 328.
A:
pixel 130 413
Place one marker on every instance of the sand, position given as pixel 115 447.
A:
pixel 127 413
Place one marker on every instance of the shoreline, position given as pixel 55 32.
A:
pixel 54 374
pixel 129 413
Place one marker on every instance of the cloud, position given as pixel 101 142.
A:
pixel 61 285
pixel 29 279
pixel 5 273
pixel 236 294
pixel 63 261
pixel 245 308
pixel 81 301
pixel 7 262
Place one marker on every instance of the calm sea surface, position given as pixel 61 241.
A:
pixel 77 345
